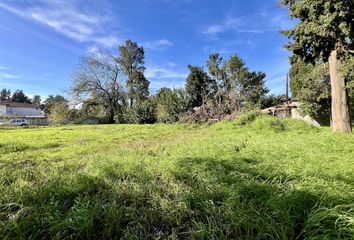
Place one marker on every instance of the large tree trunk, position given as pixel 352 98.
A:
pixel 340 109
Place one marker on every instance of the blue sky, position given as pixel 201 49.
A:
pixel 41 41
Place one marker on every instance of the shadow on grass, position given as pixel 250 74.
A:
pixel 202 199
pixel 15 147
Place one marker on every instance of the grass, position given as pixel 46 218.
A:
pixel 265 179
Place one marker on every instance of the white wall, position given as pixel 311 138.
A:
pixel 2 109
pixel 23 111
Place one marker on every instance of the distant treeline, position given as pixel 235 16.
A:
pixel 114 89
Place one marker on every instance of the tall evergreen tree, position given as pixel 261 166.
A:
pixel 138 87
pixel 199 86
pixel 217 69
pixel 325 31
pixel 20 96
pixel 131 60
pixel 131 57
pixel 5 95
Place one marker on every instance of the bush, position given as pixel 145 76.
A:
pixel 269 123
pixel 142 113
pixel 247 118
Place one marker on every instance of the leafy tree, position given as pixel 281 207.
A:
pixel 100 74
pixel 52 100
pixel 310 84
pixel 241 87
pixel 5 95
pixel 217 69
pixel 253 89
pixel 59 112
pixel 170 104
pixel 146 111
pixel 271 100
pixel 37 100
pixel 92 107
pixel 325 32
pixel 199 86
pixel 142 113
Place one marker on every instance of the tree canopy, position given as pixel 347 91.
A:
pixel 325 32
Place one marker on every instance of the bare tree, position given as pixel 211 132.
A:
pixel 100 74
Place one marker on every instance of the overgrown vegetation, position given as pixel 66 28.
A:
pixel 324 33
pixel 264 179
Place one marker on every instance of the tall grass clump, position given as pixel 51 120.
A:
pixel 298 125
pixel 247 118
pixel 267 122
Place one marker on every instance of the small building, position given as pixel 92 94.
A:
pixel 289 109
pixel 284 109
pixel 17 110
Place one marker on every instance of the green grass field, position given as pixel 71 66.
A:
pixel 270 179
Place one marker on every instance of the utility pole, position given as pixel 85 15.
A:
pixel 287 89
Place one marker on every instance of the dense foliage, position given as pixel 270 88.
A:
pixel 325 33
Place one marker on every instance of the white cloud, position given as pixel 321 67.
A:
pixel 68 19
pixel 158 44
pixel 8 76
pixel 107 41
pixel 171 64
pixel 163 73
pixel 229 24
pixel 169 84
pixel 3 68
pixel 254 24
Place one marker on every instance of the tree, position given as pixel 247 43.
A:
pixel 20 96
pixel 138 87
pixel 100 73
pixel 52 100
pixel 131 57
pixel 271 100
pixel 310 84
pixel 36 100
pixel 325 32
pixel 217 69
pixel 244 88
pixel 131 60
pixel 170 104
pixel 59 112
pixel 199 86
pixel 253 89
pixel 5 95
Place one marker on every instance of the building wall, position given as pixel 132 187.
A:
pixel 23 111
pixel 2 109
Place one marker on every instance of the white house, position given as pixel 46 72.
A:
pixel 19 109
pixel 16 110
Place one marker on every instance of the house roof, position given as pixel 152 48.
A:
pixel 18 104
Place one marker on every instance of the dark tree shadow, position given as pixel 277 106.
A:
pixel 201 199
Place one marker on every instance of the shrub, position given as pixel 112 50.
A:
pixel 247 118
